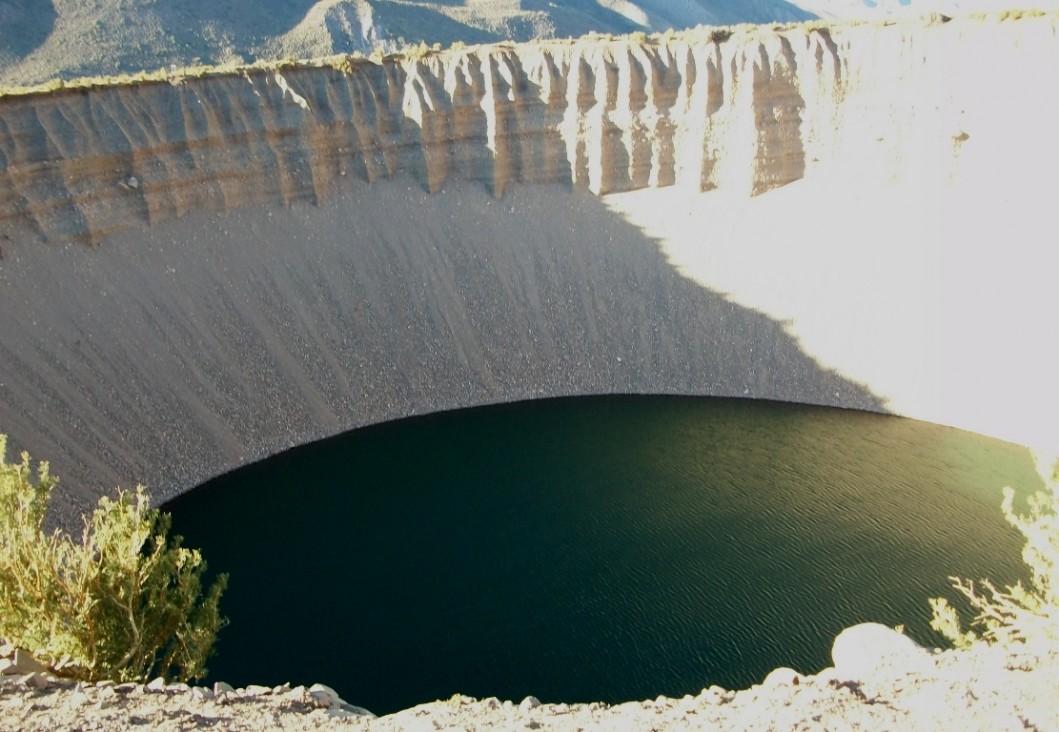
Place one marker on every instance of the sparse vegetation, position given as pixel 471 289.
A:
pixel 125 603
pixel 720 35
pixel 1015 614
pixel 420 51
pixel 1020 14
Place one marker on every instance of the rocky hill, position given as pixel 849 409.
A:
pixel 42 40
pixel 45 39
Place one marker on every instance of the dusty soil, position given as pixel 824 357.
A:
pixel 986 688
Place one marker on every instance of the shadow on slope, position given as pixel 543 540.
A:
pixel 24 25
pixel 240 18
pixel 175 353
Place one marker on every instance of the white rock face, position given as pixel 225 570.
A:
pixel 871 648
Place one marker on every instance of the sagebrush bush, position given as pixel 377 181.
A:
pixel 1017 613
pixel 124 603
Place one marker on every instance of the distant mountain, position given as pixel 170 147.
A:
pixel 45 39
pixel 886 8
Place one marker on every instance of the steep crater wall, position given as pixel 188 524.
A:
pixel 284 255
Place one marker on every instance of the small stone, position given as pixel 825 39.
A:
pixel 321 700
pixel 35 680
pixel 106 692
pixel 338 713
pixel 177 688
pixel 25 662
pixel 7 667
pixel 201 693
pixel 133 182
pixel 255 690
pixel 221 687
pixel 126 689
pixel 324 696
pixel 530 702
pixel 281 689
pixel 561 709
pixel 782 676
pixel 156 686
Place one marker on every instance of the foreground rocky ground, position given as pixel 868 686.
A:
pixel 880 681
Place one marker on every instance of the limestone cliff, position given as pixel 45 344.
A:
pixel 846 215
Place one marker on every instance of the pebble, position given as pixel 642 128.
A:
pixel 35 680
pixel 324 696
pixel 222 687
pixel 156 686
pixel 530 702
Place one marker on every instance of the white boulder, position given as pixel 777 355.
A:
pixel 864 649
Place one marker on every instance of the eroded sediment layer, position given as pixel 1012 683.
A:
pixel 743 113
pixel 412 267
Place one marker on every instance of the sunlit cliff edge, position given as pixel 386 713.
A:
pixel 847 214
pixel 747 111
pixel 610 115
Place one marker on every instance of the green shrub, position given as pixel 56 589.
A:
pixel 122 604
pixel 1016 613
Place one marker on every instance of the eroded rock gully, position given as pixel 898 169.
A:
pixel 606 115
pixel 747 112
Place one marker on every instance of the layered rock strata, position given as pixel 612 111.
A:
pixel 285 255
pixel 746 112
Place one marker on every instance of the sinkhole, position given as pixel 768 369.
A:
pixel 594 549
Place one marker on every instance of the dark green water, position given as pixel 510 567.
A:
pixel 607 548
